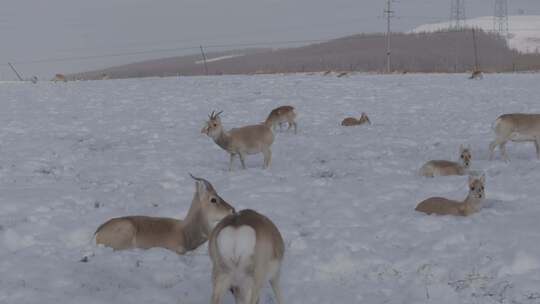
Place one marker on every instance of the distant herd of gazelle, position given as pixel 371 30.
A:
pixel 245 247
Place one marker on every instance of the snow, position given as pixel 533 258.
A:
pixel 219 58
pixel 76 154
pixel 524 30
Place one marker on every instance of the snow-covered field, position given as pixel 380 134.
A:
pixel 524 30
pixel 73 155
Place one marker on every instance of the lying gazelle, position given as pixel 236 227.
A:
pixel 280 115
pixel 246 249
pixel 444 167
pixel 242 141
pixel 477 74
pixel 351 121
pixel 515 127
pixel 207 209
pixel 59 77
pixel 443 206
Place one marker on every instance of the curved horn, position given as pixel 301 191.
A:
pixel 195 178
pixel 205 182
pixel 218 113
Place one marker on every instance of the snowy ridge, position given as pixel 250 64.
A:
pixel 524 30
pixel 219 58
pixel 75 154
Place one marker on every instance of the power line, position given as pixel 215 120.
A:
pixel 500 17
pixel 214 46
pixel 224 46
pixel 389 14
pixel 457 14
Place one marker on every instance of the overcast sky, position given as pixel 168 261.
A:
pixel 41 30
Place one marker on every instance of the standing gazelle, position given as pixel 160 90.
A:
pixel 445 167
pixel 246 249
pixel 242 141
pixel 280 115
pixel 207 209
pixel 515 127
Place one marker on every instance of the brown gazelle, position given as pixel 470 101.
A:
pixel 443 206
pixel 515 127
pixel 246 249
pixel 444 167
pixel 242 141
pixel 476 74
pixel 207 209
pixel 280 115
pixel 351 121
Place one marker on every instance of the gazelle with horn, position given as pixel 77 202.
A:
pixel 280 115
pixel 515 127
pixel 207 209
pixel 246 249
pixel 242 141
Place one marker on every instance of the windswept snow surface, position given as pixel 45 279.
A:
pixel 76 154
pixel 524 30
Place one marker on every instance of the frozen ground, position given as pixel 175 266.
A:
pixel 73 155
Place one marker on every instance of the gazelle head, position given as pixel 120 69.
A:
pixel 213 126
pixel 476 186
pixel 364 118
pixel 465 155
pixel 213 207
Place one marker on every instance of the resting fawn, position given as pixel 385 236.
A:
pixel 443 206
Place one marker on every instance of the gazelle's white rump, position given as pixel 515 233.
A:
pixel 236 244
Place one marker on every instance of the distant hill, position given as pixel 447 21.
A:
pixel 524 30
pixel 445 51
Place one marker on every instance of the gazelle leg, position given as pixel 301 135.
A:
pixel 267 157
pixel 503 152
pixel 221 283
pixel 274 282
pixel 492 146
pixel 537 144
pixel 497 142
pixel 231 161
pixel 256 286
pixel 242 160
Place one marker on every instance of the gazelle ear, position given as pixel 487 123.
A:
pixel 205 128
pixel 202 189
pixel 483 178
pixel 471 180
